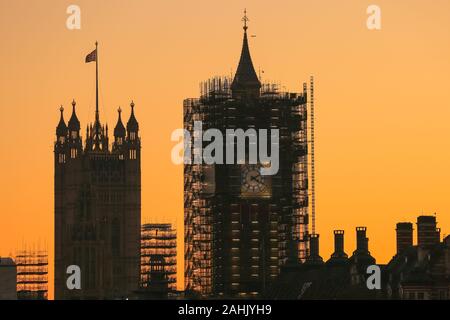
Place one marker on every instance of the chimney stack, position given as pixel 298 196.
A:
pixel 427 233
pixel 339 243
pixel 314 256
pixel 404 236
pixel 339 254
pixel 362 242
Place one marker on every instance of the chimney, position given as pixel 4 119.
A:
pixel 339 252
pixel 314 245
pixel 427 233
pixel 404 236
pixel 314 255
pixel 362 243
pixel 338 242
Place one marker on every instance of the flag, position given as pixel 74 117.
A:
pixel 91 56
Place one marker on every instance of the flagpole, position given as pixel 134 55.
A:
pixel 96 82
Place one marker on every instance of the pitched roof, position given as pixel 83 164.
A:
pixel 245 78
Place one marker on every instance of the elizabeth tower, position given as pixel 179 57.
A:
pixel 242 227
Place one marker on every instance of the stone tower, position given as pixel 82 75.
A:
pixel 97 207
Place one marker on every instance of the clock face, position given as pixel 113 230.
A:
pixel 253 183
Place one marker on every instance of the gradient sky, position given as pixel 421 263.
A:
pixel 382 101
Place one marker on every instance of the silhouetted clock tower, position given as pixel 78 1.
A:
pixel 241 227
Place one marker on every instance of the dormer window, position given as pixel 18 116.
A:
pixel 62 140
pixel 119 141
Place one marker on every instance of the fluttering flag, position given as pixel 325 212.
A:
pixel 91 56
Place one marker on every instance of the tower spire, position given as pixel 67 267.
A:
pixel 61 129
pixel 245 20
pixel 245 82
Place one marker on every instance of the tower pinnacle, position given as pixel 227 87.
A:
pixel 245 83
pixel 245 20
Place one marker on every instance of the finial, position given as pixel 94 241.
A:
pixel 119 110
pixel 73 105
pixel 132 105
pixel 245 20
pixel 61 109
pixel 96 43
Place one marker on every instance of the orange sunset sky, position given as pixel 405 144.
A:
pixel 382 101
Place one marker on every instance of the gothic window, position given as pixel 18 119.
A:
pixel 74 134
pixel 132 154
pixel 132 136
pixel 62 140
pixel 73 153
pixel 62 158
pixel 119 141
pixel 115 238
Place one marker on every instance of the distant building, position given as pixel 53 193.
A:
pixel 417 272
pixel 340 277
pixel 158 261
pixel 32 275
pixel 420 272
pixel 8 279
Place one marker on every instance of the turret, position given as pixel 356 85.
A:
pixel 119 135
pixel 74 138
pixel 61 129
pixel 132 125
pixel 133 135
pixel 61 139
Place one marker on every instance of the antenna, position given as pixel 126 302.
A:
pixel 313 174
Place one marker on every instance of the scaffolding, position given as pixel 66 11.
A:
pixel 198 218
pixel 32 274
pixel 205 208
pixel 313 170
pixel 158 256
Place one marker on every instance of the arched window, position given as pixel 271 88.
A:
pixel 73 153
pixel 133 154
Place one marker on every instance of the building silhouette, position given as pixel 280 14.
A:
pixel 240 230
pixel 8 279
pixel 416 272
pixel 158 260
pixel 339 278
pixel 32 274
pixel 97 206
pixel 422 271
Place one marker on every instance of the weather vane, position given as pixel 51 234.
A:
pixel 245 19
